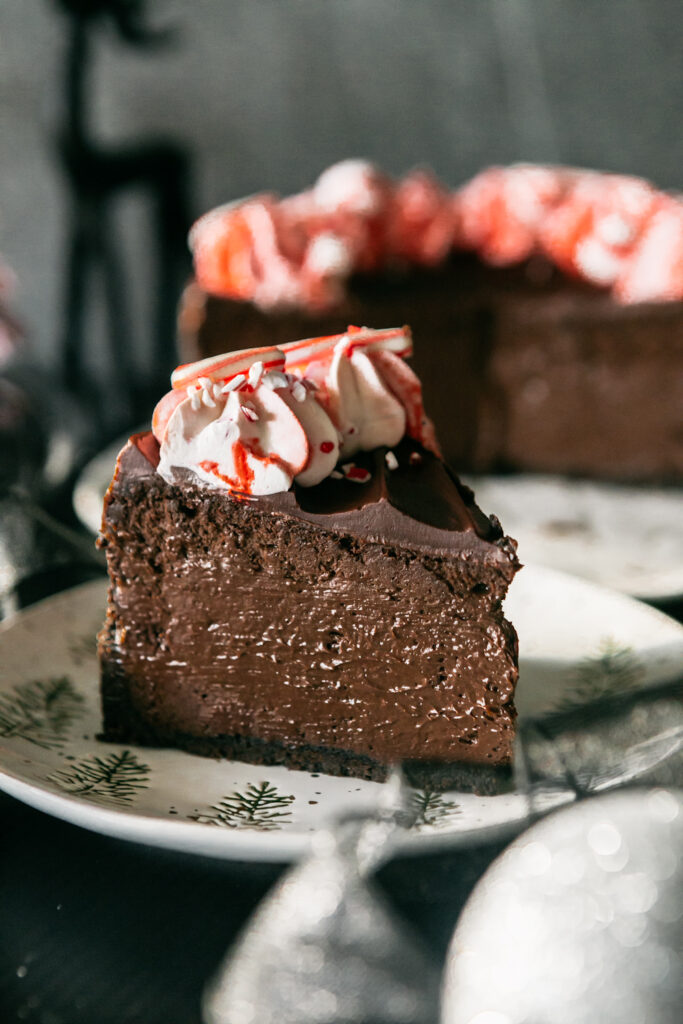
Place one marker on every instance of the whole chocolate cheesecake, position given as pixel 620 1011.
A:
pixel 343 623
pixel 546 304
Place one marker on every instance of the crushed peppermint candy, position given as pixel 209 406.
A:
pixel 615 230
pixel 207 398
pixel 391 460
pixel 233 384
pixel 275 379
pixel 336 475
pixel 249 412
pixel 415 459
pixel 255 373
pixel 299 391
pixel 356 473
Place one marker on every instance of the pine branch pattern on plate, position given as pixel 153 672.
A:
pixel 116 778
pixel 83 648
pixel 614 670
pixel 259 806
pixel 40 712
pixel 432 809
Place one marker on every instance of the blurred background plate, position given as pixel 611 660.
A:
pixel 93 481
pixel 578 642
pixel 626 538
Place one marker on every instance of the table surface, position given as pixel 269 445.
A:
pixel 94 929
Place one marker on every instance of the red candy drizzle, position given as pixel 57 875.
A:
pixel 356 473
pixel 244 480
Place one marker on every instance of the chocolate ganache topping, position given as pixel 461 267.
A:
pixel 412 499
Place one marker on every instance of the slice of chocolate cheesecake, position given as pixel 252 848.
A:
pixel 341 625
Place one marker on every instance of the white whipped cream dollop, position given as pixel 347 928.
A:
pixel 368 390
pixel 256 421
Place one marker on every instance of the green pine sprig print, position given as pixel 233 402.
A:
pixel 431 809
pixel 116 778
pixel 613 671
pixel 83 648
pixel 40 712
pixel 258 807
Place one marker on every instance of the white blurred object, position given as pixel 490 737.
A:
pixel 579 921
pixel 626 538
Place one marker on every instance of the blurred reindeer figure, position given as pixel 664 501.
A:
pixel 96 175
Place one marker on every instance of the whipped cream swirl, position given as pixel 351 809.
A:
pixel 258 420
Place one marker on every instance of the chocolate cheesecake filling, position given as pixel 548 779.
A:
pixel 359 621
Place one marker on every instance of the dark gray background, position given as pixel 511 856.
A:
pixel 266 93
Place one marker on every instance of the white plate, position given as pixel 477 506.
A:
pixel 576 641
pixel 626 538
pixel 92 484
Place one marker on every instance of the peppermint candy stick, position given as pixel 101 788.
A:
pixel 224 367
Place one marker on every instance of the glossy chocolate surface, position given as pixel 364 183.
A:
pixel 420 503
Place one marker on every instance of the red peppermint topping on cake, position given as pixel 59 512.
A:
pixel 423 221
pixel 163 412
pixel 406 387
pixel 502 209
pixel 300 251
pixel 354 187
pixel 300 354
pixel 654 272
pixel 222 244
pixel 355 473
pixel 228 367
pixel 365 385
pixel 595 229
pixel 590 225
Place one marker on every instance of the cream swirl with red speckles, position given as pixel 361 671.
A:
pixel 258 420
pixel 615 231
